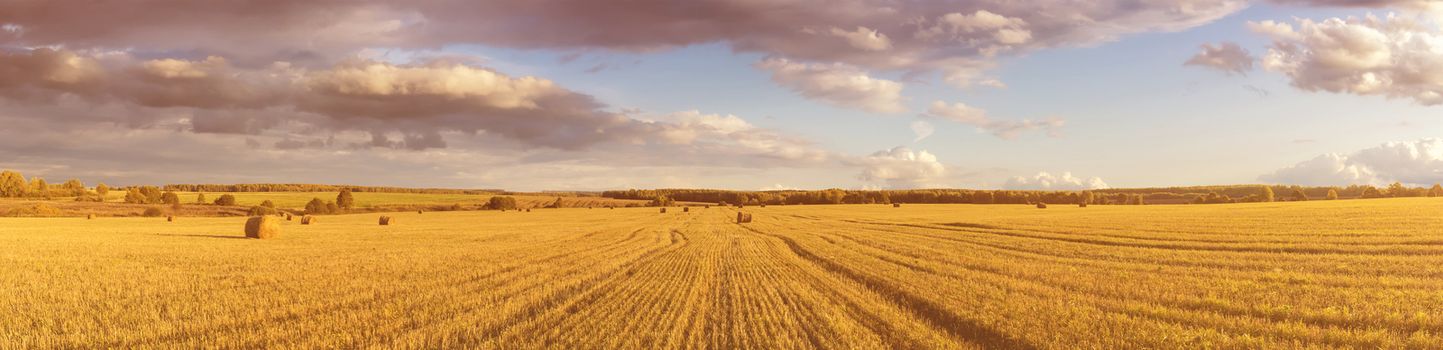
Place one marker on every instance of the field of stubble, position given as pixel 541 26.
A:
pixel 1362 274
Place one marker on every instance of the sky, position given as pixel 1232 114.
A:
pixel 728 94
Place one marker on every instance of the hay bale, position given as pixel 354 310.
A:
pixel 743 218
pixel 707 207
pixel 90 216
pixel 764 205
pixel 420 212
pixel 896 205
pixel 528 210
pixel 263 227
pixel 1041 205
pixel 386 221
pixel 1081 205
pixel 686 209
pixel 307 220
pixel 170 218
pixel 663 210
pixel 289 218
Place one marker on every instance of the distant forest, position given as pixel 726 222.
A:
pixel 15 185
pixel 315 188
pixel 1125 196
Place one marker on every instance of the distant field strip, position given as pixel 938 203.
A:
pixel 1361 274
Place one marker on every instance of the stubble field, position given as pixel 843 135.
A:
pixel 1360 273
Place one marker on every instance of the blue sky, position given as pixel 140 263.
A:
pixel 1135 115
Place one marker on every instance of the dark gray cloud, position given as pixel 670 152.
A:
pixel 956 36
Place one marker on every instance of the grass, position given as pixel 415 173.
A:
pixel 1359 274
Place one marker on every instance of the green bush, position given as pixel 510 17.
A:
pixel 501 203
pixel 261 211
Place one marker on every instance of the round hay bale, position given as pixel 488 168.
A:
pixel 743 218
pixel 686 209
pixel 263 227
pixel 386 221
pixel 170 218
pixel 1081 205
pixel 307 220
pixel 90 216
pixel 289 218
pixel 1041 205
pixel 663 210
pixel 896 205
pixel 420 212
pixel 763 205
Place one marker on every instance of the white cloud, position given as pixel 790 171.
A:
pixel 900 167
pixel 1006 129
pixel 1227 57
pixel 864 38
pixel 1048 182
pixel 990 32
pixel 837 84
pixel 730 135
pixel 1394 56
pixel 922 129
pixel 1418 163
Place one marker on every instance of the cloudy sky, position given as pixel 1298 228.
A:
pixel 734 94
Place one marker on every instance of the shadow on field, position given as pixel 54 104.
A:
pixel 197 235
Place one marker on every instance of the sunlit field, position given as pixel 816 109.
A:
pixel 1360 273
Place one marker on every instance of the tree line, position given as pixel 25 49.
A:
pixel 1131 196
pixel 840 196
pixel 315 188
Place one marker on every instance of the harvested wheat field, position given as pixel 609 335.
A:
pixel 1360 274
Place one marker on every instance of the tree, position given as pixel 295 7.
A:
pixel 170 198
pixel 133 196
pixel 1332 194
pixel 226 200
pixel 1298 195
pixel 984 197
pixel 41 189
pixel 1268 195
pixel 660 201
pixel 1086 197
pixel 317 206
pixel 152 194
pixel 1371 192
pixel 1436 191
pixel 102 190
pixel 501 203
pixel 200 198
pixel 74 187
pixel 344 200
pixel 12 184
pixel 1397 190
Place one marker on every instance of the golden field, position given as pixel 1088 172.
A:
pixel 1326 274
